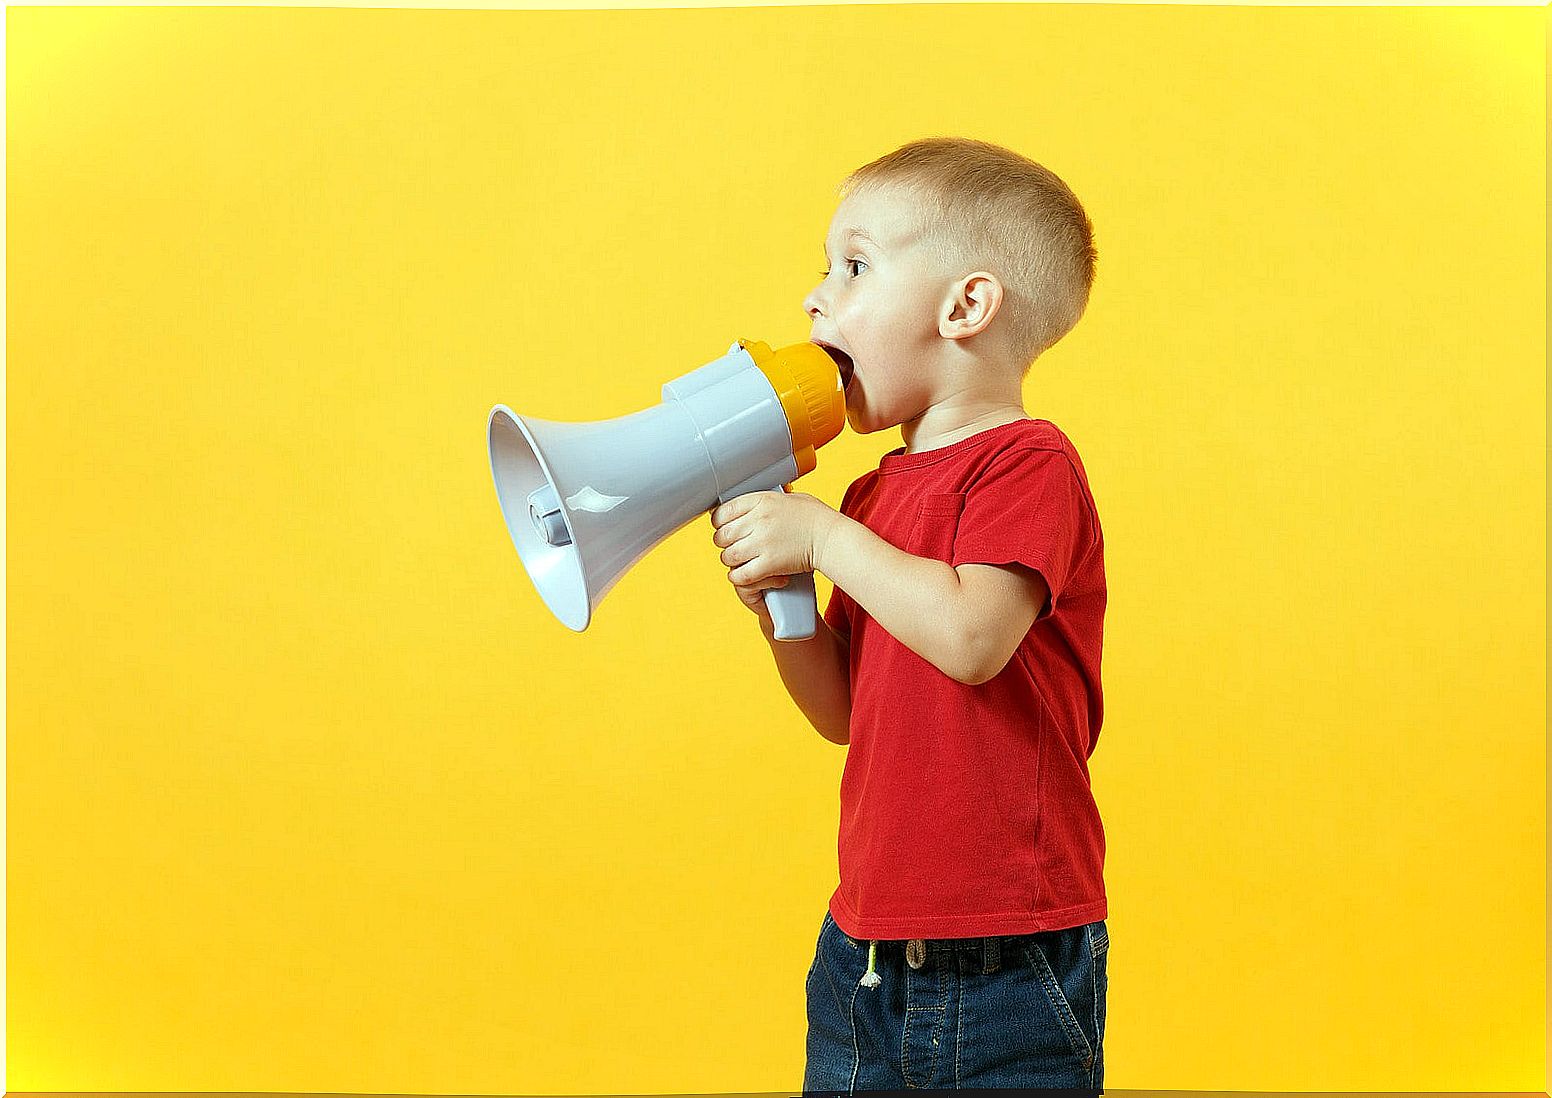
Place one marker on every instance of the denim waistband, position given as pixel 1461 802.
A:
pixel 917 950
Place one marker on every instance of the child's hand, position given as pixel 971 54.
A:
pixel 753 596
pixel 751 593
pixel 767 536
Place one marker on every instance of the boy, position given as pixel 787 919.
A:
pixel 959 655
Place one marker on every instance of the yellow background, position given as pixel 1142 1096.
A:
pixel 308 791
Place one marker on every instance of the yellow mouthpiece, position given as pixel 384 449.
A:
pixel 809 384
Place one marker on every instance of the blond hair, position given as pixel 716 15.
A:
pixel 987 207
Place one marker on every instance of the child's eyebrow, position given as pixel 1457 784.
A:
pixel 859 234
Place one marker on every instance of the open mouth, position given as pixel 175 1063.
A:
pixel 842 361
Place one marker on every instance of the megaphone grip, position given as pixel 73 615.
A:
pixel 794 608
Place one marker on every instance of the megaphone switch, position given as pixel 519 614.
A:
pixel 583 502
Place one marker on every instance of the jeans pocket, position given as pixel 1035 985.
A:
pixel 1067 983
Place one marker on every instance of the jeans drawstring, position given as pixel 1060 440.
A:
pixel 871 978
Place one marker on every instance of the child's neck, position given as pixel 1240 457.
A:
pixel 916 440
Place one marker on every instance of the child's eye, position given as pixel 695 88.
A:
pixel 849 262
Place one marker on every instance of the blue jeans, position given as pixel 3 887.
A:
pixel 1024 1010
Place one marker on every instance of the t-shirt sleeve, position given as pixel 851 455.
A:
pixel 1028 507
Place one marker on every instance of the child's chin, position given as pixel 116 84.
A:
pixel 854 417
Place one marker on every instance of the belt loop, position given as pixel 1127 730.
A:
pixel 916 952
pixel 991 955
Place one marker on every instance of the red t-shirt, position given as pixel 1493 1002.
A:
pixel 966 810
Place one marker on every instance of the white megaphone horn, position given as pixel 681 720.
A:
pixel 586 501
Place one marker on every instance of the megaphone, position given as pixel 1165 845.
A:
pixel 584 502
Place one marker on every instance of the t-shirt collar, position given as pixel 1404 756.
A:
pixel 898 459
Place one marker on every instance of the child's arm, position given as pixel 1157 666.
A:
pixel 817 673
pixel 917 600
pixel 1004 601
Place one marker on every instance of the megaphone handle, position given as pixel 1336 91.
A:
pixel 794 609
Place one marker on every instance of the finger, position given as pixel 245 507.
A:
pixel 762 584
pixel 726 512
pixel 727 535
